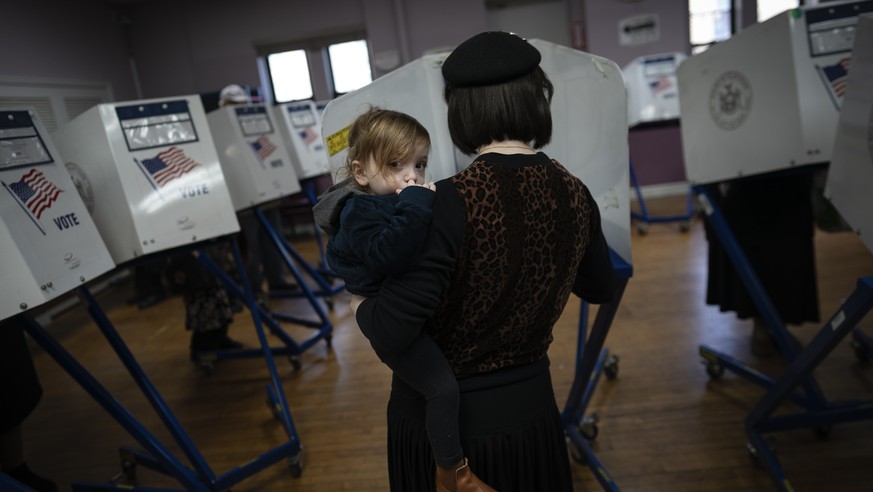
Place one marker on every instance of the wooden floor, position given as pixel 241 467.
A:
pixel 664 425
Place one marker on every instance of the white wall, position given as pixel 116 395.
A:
pixel 56 39
pixel 547 21
pixel 199 46
pixel 185 47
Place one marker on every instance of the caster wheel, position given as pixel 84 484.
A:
pixel 684 226
pixel 295 362
pixel 328 339
pixel 295 464
pixel 330 305
pixel 610 367
pixel 576 453
pixel 755 455
pixel 128 469
pixel 588 427
pixel 714 370
pixel 643 229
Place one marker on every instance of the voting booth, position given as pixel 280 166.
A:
pixel 850 175
pixel 154 171
pixel 589 124
pixel 300 124
pixel 850 180
pixel 258 168
pixel 652 88
pixel 771 99
pixel 158 185
pixel 48 242
pixel 768 98
pixel 253 155
pixel 653 116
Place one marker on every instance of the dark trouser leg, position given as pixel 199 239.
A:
pixel 424 367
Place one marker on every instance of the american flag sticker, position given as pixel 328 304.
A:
pixel 263 147
pixel 307 135
pixel 835 78
pixel 166 166
pixel 35 194
pixel 660 85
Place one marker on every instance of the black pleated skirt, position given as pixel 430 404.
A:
pixel 772 220
pixel 511 432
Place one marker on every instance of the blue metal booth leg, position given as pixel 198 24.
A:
pixel 643 217
pixel 816 412
pixel 592 360
pixel 323 268
pixel 9 484
pixel 761 419
pixel 295 264
pixel 716 362
pixel 199 477
pixel 325 284
pixel 171 465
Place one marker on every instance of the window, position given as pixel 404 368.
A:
pixel 771 8
pixel 709 21
pixel 316 68
pixel 289 72
pixel 349 65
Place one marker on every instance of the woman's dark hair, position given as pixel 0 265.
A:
pixel 514 110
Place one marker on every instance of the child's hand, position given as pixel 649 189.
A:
pixel 411 182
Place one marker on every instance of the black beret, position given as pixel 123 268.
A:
pixel 490 58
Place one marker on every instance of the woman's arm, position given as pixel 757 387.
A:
pixel 595 278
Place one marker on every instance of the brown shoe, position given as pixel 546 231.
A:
pixel 460 479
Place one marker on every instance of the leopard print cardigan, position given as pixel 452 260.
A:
pixel 526 231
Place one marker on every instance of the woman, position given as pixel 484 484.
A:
pixel 511 237
pixel 772 219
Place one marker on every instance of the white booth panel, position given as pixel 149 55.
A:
pixel 415 89
pixel 48 242
pixel 768 98
pixel 589 132
pixel 850 175
pixel 652 88
pixel 155 174
pixel 589 115
pixel 300 125
pixel 253 155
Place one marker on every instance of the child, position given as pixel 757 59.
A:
pixel 376 220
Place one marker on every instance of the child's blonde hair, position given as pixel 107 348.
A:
pixel 388 136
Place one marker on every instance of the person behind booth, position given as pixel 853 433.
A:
pixel 511 237
pixel 20 392
pixel 773 221
pixel 209 309
pixel 376 220
pixel 148 283
pixel 262 257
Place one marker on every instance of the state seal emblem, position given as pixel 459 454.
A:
pixel 730 100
